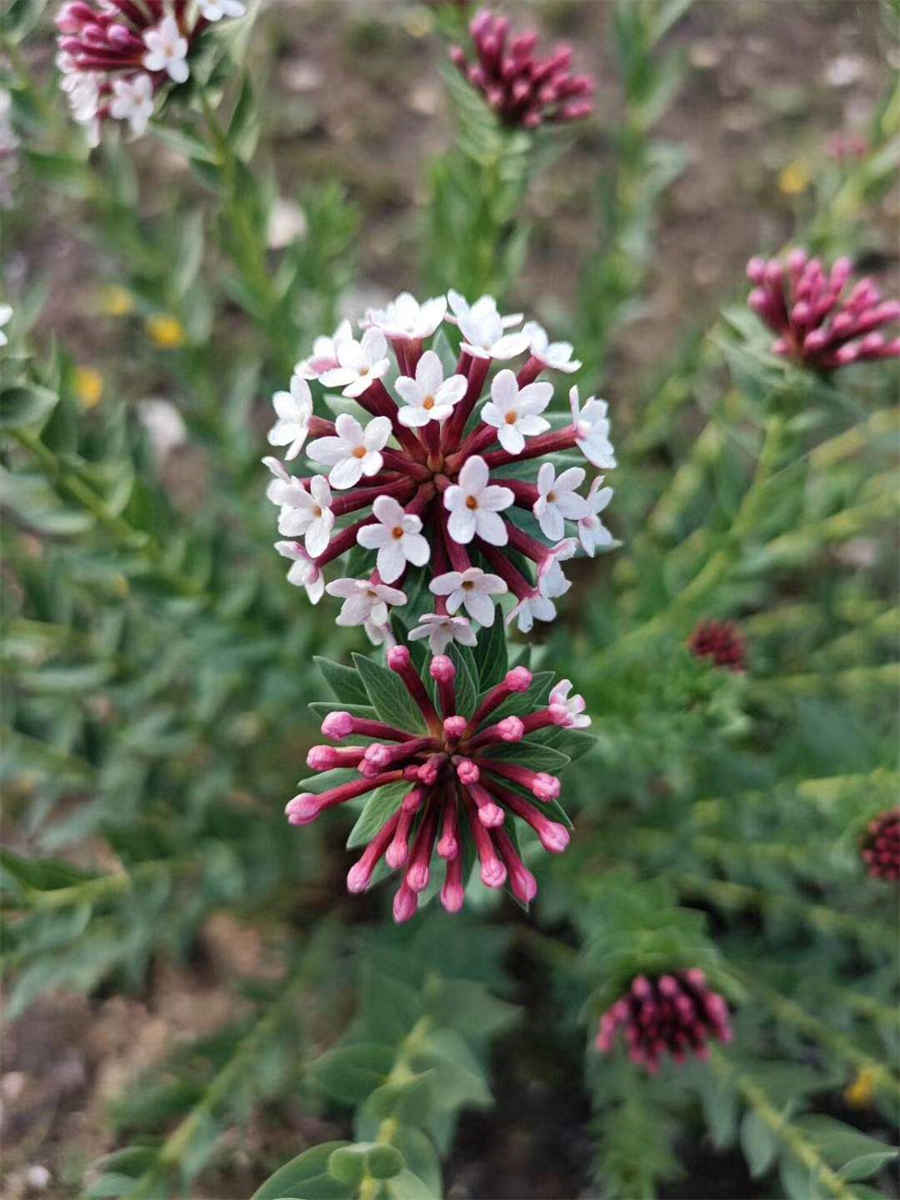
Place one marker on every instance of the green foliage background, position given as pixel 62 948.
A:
pixel 158 670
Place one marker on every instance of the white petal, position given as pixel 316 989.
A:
pixel 416 549
pixel 346 473
pixel 461 525
pixel 373 537
pixel 391 560
pixel 495 498
pixel 480 608
pixel 328 450
pixel 492 528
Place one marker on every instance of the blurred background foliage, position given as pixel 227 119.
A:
pixel 158 667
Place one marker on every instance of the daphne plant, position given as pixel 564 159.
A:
pixel 434 469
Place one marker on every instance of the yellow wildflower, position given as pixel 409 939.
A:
pixel 116 301
pixel 88 385
pixel 794 178
pixel 166 331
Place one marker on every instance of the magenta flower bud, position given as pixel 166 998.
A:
pixel 399 658
pixel 321 758
pixel 358 878
pixel 337 725
pixel 377 756
pixel 756 270
pixel 455 727
pixel 467 771
pixel 457 56
pixel 553 836
pixel 303 808
pixel 519 679
pixel 453 893
pixel 406 902
pixel 546 787
pixel 880 846
pixel 417 876
pixel 493 873
pixel 511 729
pixel 397 853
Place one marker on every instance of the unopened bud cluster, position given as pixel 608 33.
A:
pixel 720 641
pixel 673 1014
pixel 462 784
pixel 520 87
pixel 880 848
pixel 822 320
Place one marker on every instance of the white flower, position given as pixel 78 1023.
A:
pixel 474 505
pixel 304 572
pixel 441 630
pixel 574 705
pixel 365 603
pixel 293 409
pixel 166 50
pixel 308 513
pixel 592 431
pixel 5 314
pixel 215 10
pixel 591 530
pixel 557 355
pixel 513 411
pixel 551 580
pixel 132 101
pixel 397 538
pixel 483 328
pixel 324 356
pixel 379 635
pixel 359 363
pixel 558 500
pixel 354 452
pixel 405 317
pixel 530 608
pixel 83 91
pixel 283 485
pixel 472 589
pixel 429 397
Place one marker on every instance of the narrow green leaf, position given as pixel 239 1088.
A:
pixel 379 806
pixel 343 681
pixel 390 699
pixel 759 1144
pixel 351 1073
pixel 492 656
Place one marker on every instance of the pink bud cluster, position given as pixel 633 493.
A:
pixel 880 848
pixel 721 641
pixel 818 321
pixel 521 88
pixel 459 787
pixel 429 475
pixel 675 1013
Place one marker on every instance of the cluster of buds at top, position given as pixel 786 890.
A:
pixel 434 473
pixel 115 55
pixel 720 641
pixel 819 322
pixel 463 784
pixel 675 1013
pixel 522 89
pixel 880 849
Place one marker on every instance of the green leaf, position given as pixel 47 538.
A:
pixel 243 132
pixel 25 404
pixel 379 806
pixel 466 682
pixel 841 1144
pixel 351 1073
pixel 306 1176
pixel 759 1143
pixel 389 697
pixel 528 754
pixel 406 1186
pixel 384 1162
pixel 42 874
pixel 492 656
pixel 343 681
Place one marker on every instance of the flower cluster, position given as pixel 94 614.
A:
pixel 434 470
pixel 676 1013
pixel 880 848
pixel 115 55
pixel 720 641
pixel 521 88
pixel 816 322
pixel 456 782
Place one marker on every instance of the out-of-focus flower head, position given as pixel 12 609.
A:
pixel 523 89
pixel 846 147
pixel 115 55
pixel 721 641
pixel 432 468
pixel 675 1014
pixel 9 150
pixel 459 785
pixel 880 849
pixel 822 321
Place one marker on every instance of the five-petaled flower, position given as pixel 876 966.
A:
pixel 472 589
pixel 457 783
pixel 167 50
pixel 435 475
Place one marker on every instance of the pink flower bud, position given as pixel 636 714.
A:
pixel 546 787
pixel 511 729
pixel 398 658
pixel 322 758
pixel 337 725
pixel 467 771
pixel 302 809
pixel 455 727
pixel 406 902
pixel 518 679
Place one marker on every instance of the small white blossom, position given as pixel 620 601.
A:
pixel 397 537
pixel 573 705
pixel 215 10
pixel 324 356
pixel 591 530
pixel 304 572
pixel 132 101
pixel 531 608
pixel 551 580
pixel 293 409
pixel 483 328
pixel 359 363
pixel 365 603
pixel 283 485
pixel 557 355
pixel 513 411
pixel 308 514
pixel 354 452
pixel 472 589
pixel 442 629
pixel 405 317
pixel 167 50
pixel 429 397
pixel 5 315
pixel 558 500
pixel 592 430
pixel 379 635
pixel 474 505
